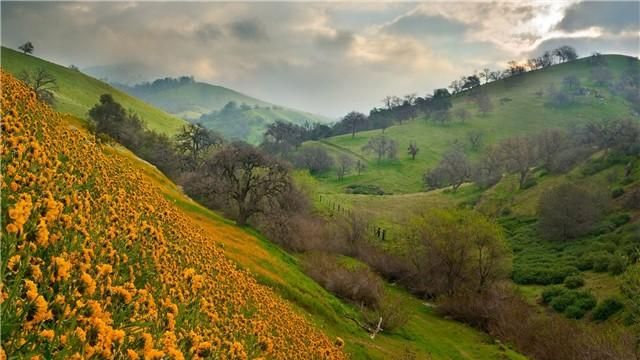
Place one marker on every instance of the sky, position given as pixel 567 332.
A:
pixel 324 57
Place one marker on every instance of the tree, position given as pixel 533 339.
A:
pixel 353 120
pixel 620 135
pixel 441 116
pixel 550 143
pixel 488 171
pixel 565 53
pixel 413 150
pixel 441 100
pixel 381 146
pixel 571 82
pixel 193 140
pixel 475 139
pixel 462 114
pixel 250 180
pixel 360 166
pixel 519 154
pixel 568 211
pixel 483 101
pixel 456 167
pixel 457 250
pixel 42 83
pixel 470 82
pixel 601 75
pixel 27 48
pixel 344 166
pixel 281 137
pixel 486 75
pixel 314 158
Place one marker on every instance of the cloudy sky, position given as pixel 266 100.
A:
pixel 327 58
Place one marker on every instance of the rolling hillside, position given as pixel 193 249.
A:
pixel 202 102
pixel 78 92
pixel 517 110
pixel 244 298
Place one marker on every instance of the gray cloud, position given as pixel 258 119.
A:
pixel 614 16
pixel 327 58
pixel 249 29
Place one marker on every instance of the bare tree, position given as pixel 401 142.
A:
pixel 519 155
pixel 360 166
pixel 193 140
pixel 250 180
pixel 381 146
pixel 345 162
pixel 475 139
pixel 550 143
pixel 413 150
pixel 462 114
pixel 27 48
pixel 485 74
pixel 354 120
pixel 42 83
pixel 483 101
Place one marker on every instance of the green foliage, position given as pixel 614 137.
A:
pixel 617 192
pixel 574 282
pixel 617 265
pixel 574 304
pixel 606 309
pixel 366 189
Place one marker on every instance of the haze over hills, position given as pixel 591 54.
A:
pixel 245 117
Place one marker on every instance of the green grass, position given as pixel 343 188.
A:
pixel 77 92
pixel 526 113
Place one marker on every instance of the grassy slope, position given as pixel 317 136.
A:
pixel 524 114
pixel 426 333
pixel 78 92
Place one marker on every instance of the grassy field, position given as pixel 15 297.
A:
pixel 521 112
pixel 426 333
pixel 77 92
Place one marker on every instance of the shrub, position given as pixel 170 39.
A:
pixel 562 301
pixel 551 292
pixel 619 219
pixel 585 262
pixel 574 312
pixel 585 301
pixel 392 309
pixel 573 282
pixel 359 285
pixel 617 192
pixel 529 183
pixel 601 262
pixel 364 189
pixel 606 309
pixel 617 265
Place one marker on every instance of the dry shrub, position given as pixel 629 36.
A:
pixel 392 309
pixel 504 314
pixel 359 284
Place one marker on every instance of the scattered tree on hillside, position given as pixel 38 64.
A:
pixel 462 114
pixel 457 250
pixel 620 135
pixel 382 146
pixel 565 53
pixel 559 97
pixel 475 139
pixel 248 179
pixel 568 211
pixel 314 158
pixel 281 137
pixel 441 117
pixel 601 75
pixel 354 120
pixel 485 74
pixel 112 119
pixel 453 169
pixel 193 140
pixel 344 166
pixel 550 143
pixel 571 82
pixel 519 155
pixel 360 166
pixel 413 150
pixel 488 171
pixel 483 101
pixel 27 48
pixel 42 83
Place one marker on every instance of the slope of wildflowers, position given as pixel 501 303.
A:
pixel 97 264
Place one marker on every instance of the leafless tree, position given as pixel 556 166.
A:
pixel 345 162
pixel 475 139
pixel 382 146
pixel 519 155
pixel 413 150
pixel 42 83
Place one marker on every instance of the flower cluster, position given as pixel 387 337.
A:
pixel 98 264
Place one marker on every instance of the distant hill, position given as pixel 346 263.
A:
pixel 199 102
pixel 520 106
pixel 78 92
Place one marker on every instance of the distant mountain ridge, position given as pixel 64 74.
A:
pixel 245 117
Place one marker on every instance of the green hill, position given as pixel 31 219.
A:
pixel 517 109
pixel 78 92
pixel 202 102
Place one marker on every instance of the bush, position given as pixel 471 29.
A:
pixel 606 309
pixel 359 285
pixel 529 183
pixel 585 301
pixel 551 292
pixel 617 192
pixel 364 189
pixel 619 219
pixel 601 262
pixel 562 301
pixel 392 309
pixel 617 265
pixel 573 282
pixel 574 312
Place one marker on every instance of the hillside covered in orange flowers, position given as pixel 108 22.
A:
pixel 96 263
